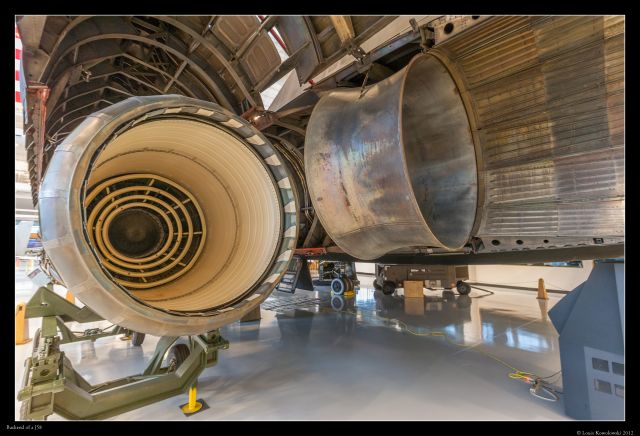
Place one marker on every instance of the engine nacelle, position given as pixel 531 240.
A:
pixel 168 215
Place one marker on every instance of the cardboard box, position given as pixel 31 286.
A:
pixel 413 288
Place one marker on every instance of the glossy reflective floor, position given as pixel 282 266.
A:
pixel 314 356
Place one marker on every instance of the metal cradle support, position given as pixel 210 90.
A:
pixel 51 385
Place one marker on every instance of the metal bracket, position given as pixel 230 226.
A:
pixel 427 35
pixel 356 51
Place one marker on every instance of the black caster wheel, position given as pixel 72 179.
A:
pixel 338 286
pixel 388 287
pixel 463 288
pixel 350 285
pixel 177 354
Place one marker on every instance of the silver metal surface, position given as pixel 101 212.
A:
pixel 547 98
pixel 393 165
pixel 62 217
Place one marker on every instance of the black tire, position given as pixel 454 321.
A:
pixel 388 287
pixel 137 339
pixel 177 354
pixel 463 288
pixel 349 282
pixel 338 286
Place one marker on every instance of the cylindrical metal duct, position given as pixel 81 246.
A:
pixel 394 166
pixel 168 215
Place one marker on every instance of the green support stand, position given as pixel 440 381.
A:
pixel 51 385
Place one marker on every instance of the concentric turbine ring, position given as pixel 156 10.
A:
pixel 168 215
pixel 181 239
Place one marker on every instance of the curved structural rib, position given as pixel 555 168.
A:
pixel 168 215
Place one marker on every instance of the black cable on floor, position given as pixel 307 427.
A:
pixel 484 290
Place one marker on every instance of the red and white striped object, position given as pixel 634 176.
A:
pixel 18 58
pixel 18 98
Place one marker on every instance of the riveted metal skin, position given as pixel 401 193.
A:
pixel 545 97
pixel 63 216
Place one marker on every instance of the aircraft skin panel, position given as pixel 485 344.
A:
pixel 547 98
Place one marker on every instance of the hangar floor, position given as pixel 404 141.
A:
pixel 315 357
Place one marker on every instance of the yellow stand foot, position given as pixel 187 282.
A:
pixel 187 408
pixel 70 298
pixel 193 405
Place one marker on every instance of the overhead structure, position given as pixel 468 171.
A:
pixel 87 63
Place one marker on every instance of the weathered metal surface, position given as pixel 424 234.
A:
pixel 545 104
pixel 225 59
pixel 393 165
pixel 547 97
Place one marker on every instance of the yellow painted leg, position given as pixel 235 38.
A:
pixel 192 406
pixel 22 325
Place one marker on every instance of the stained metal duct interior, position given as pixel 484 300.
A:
pixel 187 220
pixel 393 165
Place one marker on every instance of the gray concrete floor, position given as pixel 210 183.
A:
pixel 314 356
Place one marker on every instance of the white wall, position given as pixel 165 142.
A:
pixel 362 267
pixel 562 278
pixel 23 231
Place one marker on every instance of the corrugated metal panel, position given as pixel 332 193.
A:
pixel 547 99
pixel 585 176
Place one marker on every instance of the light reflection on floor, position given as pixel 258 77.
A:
pixel 318 356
